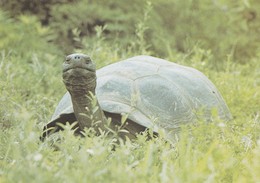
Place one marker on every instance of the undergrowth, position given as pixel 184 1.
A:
pixel 31 86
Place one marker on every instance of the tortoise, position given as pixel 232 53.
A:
pixel 154 93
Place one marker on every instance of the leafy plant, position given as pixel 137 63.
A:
pixel 31 86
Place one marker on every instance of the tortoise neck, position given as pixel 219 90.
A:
pixel 84 108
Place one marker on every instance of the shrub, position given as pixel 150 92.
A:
pixel 223 27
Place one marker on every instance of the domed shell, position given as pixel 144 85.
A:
pixel 154 93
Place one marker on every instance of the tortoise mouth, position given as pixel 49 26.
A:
pixel 78 68
pixel 79 78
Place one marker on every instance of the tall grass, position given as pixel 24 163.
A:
pixel 30 88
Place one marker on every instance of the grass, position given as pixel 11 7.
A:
pixel 31 86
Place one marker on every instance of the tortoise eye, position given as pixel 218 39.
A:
pixel 87 60
pixel 67 58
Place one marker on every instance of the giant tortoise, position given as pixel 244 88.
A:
pixel 154 93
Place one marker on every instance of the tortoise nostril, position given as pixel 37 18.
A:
pixel 77 57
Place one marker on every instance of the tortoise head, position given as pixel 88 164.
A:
pixel 79 72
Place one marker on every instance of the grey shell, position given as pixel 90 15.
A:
pixel 154 93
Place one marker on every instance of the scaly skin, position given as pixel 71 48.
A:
pixel 79 77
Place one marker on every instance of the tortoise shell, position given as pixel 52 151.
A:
pixel 155 93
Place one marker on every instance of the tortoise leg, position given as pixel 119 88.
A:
pixel 52 127
pixel 132 127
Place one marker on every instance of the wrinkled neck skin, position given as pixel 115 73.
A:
pixel 79 89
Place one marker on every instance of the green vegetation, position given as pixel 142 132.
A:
pixel 220 38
